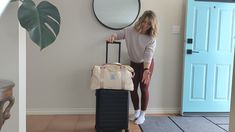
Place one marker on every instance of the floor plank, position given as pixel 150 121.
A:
pixel 63 123
pixel 86 123
pixel 38 123
pixel 66 123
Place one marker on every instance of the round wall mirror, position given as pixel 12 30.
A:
pixel 116 14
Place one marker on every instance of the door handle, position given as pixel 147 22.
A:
pixel 189 40
pixel 189 51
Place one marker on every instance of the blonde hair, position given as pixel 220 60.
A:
pixel 153 30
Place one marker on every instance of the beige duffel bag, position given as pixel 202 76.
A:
pixel 112 76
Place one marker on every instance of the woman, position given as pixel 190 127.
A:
pixel 141 43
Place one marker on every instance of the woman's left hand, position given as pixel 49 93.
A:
pixel 146 77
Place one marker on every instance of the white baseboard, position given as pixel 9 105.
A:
pixel 74 111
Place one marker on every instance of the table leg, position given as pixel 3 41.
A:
pixel 5 114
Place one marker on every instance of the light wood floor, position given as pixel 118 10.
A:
pixel 66 123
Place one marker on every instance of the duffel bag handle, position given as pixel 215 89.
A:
pixel 121 66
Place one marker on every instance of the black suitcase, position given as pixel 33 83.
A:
pixel 112 106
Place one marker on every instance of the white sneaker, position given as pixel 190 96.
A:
pixel 141 118
pixel 135 116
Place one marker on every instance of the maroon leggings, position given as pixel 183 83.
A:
pixel 139 69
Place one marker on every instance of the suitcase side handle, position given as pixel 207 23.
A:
pixel 119 50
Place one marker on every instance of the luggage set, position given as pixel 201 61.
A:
pixel 112 106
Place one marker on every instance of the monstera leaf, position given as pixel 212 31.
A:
pixel 42 22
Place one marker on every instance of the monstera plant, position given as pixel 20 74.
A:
pixel 42 21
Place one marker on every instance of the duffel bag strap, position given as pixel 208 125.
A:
pixel 102 76
pixel 123 77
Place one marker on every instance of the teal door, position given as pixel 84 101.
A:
pixel 208 56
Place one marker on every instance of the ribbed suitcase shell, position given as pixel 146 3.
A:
pixel 111 110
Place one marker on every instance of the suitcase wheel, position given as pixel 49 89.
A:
pixel 98 130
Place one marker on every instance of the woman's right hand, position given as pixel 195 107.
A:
pixel 112 38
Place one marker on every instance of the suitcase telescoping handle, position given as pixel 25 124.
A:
pixel 107 51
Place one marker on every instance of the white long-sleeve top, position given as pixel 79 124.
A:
pixel 140 47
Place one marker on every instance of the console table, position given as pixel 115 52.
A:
pixel 6 95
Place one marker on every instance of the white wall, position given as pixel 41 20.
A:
pixel 9 60
pixel 232 113
pixel 58 77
